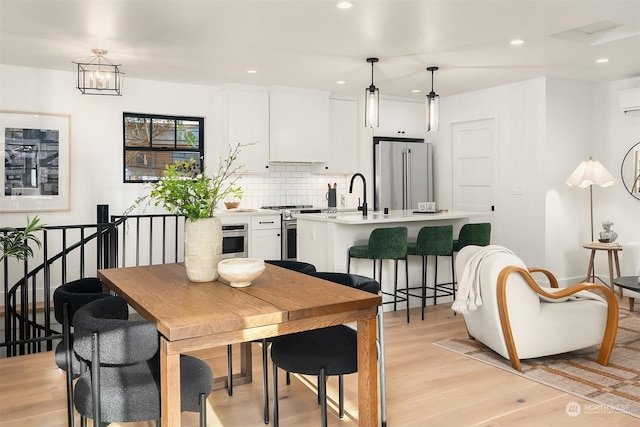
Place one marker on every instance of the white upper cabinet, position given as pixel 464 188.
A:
pixel 403 119
pixel 245 119
pixel 343 138
pixel 299 130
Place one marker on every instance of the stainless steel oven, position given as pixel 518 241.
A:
pixel 289 239
pixel 235 241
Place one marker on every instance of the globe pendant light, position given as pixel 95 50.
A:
pixel 433 105
pixel 371 101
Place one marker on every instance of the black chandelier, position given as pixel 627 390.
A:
pixel 97 75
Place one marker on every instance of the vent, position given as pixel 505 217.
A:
pixel 596 33
pixel 630 101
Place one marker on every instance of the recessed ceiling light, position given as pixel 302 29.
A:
pixel 341 82
pixel 602 60
pixel 516 42
pixel 416 91
pixel 344 5
pixel 252 71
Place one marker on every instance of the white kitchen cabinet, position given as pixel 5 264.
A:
pixel 245 119
pixel 403 119
pixel 299 125
pixel 265 239
pixel 343 138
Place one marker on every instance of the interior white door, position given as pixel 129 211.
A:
pixel 473 165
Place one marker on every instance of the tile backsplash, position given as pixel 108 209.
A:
pixel 293 184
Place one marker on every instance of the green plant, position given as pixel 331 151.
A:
pixel 183 190
pixel 15 243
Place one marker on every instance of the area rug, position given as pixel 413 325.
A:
pixel 616 386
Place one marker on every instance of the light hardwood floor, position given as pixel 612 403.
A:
pixel 426 386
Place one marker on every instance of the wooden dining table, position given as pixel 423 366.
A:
pixel 199 315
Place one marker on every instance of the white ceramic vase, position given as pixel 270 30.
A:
pixel 202 248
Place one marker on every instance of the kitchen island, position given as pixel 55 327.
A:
pixel 324 240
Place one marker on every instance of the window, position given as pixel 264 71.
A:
pixel 153 141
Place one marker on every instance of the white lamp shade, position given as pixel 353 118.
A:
pixel 590 172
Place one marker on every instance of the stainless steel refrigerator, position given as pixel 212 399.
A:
pixel 403 173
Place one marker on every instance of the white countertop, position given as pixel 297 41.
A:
pixel 395 216
pixel 226 213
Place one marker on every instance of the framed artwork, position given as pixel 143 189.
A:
pixel 37 162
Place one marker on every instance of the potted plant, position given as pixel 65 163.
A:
pixel 15 243
pixel 184 190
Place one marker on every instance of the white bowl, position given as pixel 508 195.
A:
pixel 239 272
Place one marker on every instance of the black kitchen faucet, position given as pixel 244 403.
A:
pixel 364 191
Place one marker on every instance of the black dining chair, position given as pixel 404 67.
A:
pixel 123 381
pixel 331 351
pixel 301 267
pixel 67 299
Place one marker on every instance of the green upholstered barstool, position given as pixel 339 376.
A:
pixel 385 243
pixel 473 234
pixel 433 241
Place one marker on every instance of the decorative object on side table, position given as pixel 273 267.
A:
pixel 608 235
pixel 185 190
pixel 240 272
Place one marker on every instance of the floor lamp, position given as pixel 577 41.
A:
pixel 588 174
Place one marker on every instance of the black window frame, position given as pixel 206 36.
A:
pixel 197 150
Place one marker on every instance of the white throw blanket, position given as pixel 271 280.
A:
pixel 468 296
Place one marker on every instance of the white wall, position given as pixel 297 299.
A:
pixel 546 127
pixel 518 111
pixel 96 132
pixel 96 143
pixel 615 133
pixel 569 140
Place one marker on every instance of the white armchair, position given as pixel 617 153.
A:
pixel 519 319
pixel 630 267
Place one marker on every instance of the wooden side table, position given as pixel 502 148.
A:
pixel 612 254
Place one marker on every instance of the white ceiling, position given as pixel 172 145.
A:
pixel 313 44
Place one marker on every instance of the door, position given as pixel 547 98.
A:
pixel 474 171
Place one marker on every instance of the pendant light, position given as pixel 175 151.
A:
pixel 433 105
pixel 372 101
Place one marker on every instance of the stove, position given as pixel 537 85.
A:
pixel 289 227
pixel 289 212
